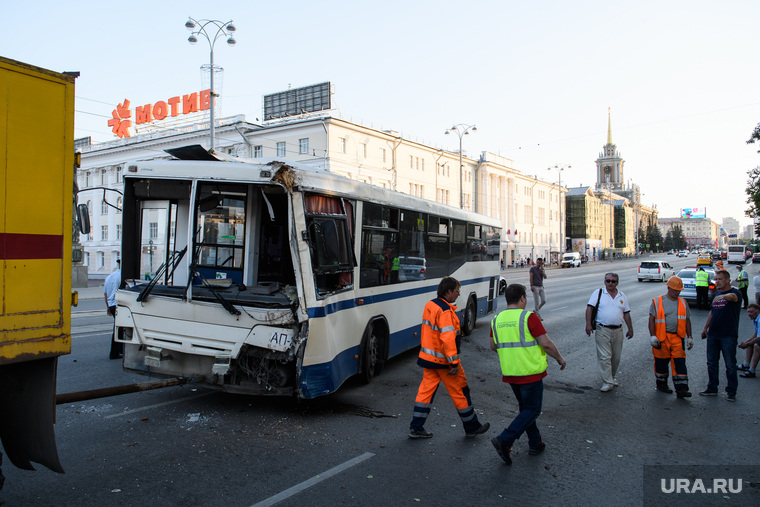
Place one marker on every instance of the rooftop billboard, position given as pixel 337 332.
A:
pixel 693 213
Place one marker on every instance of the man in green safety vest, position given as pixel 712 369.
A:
pixel 520 339
pixel 743 280
pixel 703 284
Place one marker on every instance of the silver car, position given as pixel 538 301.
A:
pixel 689 277
pixel 411 268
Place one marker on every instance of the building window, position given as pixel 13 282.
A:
pixel 87 258
pixel 411 162
pixel 382 154
pixel 281 149
pixel 118 174
pixel 541 213
pixel 104 232
pixel 118 231
pixel 101 260
pixel 341 145
pixel 153 230
pixel 363 150
pixel 87 179
pixel 102 177
pixel 258 151
pixel 423 165
pixel 528 215
pixel 119 203
pixel 303 146
pixel 103 207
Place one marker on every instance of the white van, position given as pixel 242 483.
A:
pixel 571 260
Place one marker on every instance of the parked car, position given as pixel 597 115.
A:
pixel 689 277
pixel 411 268
pixel 756 258
pixel 654 270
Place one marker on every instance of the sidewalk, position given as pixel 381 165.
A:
pixel 86 293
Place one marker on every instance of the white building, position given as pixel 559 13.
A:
pixel 527 206
pixel 698 232
pixel 732 226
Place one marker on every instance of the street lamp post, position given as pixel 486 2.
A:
pixel 198 27
pixel 560 168
pixel 461 129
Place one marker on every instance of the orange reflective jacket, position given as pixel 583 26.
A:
pixel 438 338
pixel 659 320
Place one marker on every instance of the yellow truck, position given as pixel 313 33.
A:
pixel 36 201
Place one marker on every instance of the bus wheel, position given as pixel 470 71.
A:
pixel 469 318
pixel 372 360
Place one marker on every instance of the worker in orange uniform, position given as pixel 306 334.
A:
pixel 439 358
pixel 670 330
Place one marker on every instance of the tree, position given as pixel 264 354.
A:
pixel 668 243
pixel 753 185
pixel 679 242
pixel 753 193
pixel 654 238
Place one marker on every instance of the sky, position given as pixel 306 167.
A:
pixel 680 78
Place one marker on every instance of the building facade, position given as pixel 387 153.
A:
pixel 698 232
pixel 529 208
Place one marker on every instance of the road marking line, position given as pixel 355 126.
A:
pixel 148 407
pixel 314 480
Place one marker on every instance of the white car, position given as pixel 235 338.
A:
pixel 654 270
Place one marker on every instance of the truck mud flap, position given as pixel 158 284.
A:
pixel 27 413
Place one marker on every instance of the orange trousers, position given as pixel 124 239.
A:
pixel 671 352
pixel 458 390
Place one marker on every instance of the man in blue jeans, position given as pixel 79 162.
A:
pixel 722 333
pixel 522 344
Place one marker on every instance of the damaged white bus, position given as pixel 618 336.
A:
pixel 281 279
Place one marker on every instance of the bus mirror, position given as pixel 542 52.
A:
pixel 83 219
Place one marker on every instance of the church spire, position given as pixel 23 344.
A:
pixel 609 127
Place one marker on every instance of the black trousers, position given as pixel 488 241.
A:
pixel 702 298
pixel 743 290
pixel 117 348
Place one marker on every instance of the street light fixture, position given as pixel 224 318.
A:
pixel 461 129
pixel 198 27
pixel 560 168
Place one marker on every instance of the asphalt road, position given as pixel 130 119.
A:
pixel 190 446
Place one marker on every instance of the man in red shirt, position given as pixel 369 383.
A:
pixel 522 344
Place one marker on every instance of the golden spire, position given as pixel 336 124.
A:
pixel 609 127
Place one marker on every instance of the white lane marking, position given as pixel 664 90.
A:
pixel 314 480
pixel 148 407
pixel 560 308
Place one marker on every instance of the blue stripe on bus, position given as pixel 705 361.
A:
pixel 325 378
pixel 323 311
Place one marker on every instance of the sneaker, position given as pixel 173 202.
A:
pixel 708 393
pixel 731 397
pixel 415 434
pixel 502 450
pixel 748 374
pixel 683 394
pixel 483 428
pixel 742 367
pixel 538 450
pixel 607 388
pixel 615 382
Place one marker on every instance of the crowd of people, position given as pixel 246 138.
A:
pixel 522 345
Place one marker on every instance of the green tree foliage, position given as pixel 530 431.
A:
pixel 654 238
pixel 679 242
pixel 753 184
pixel 668 243
pixel 753 195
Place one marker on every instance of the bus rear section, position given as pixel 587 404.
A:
pixel 737 254
pixel 275 280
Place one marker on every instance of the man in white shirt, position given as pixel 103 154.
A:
pixel 612 311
